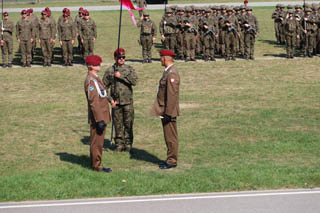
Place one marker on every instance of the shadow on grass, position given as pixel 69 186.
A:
pixel 140 154
pixel 106 145
pixel 82 160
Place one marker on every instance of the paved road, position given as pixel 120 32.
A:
pixel 287 201
pixel 160 7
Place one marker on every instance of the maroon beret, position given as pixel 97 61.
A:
pixel 93 60
pixel 64 10
pixel 5 14
pixel 23 12
pixel 167 53
pixel 30 10
pixel 80 9
pixel 44 12
pixel 120 52
pixel 85 12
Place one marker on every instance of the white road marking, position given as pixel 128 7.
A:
pixel 161 199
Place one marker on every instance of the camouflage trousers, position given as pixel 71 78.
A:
pixel 180 45
pixel 208 47
pixel 309 43
pixel 25 47
pixel 222 42
pixel 249 40
pixel 67 53
pixel 123 116
pixel 189 44
pixel 46 49
pixel 230 44
pixel 88 46
pixel 290 44
pixel 7 51
pixel 241 42
pixel 146 43
pixel 170 42
pixel 277 31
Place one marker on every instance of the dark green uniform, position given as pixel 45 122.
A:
pixel 77 21
pixel 231 36
pixel 25 32
pixel 310 34
pixel 147 33
pixel 35 22
pixel 250 34
pixel 189 33
pixel 208 25
pixel 120 90
pixel 67 33
pixel 179 33
pixel 46 35
pixel 291 27
pixel 168 30
pixel 54 24
pixel 88 35
pixel 7 43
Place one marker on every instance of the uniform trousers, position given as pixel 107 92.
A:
pixel 171 137
pixel 88 46
pixel 67 47
pixel 189 44
pixel 290 44
pixel 309 43
pixel 46 50
pixel 208 47
pixel 7 51
pixel 180 45
pixel 25 47
pixel 249 40
pixel 96 147
pixel 230 44
pixel 170 41
pixel 146 43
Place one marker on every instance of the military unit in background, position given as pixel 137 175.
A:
pixel 193 32
pixel 30 30
pixel 298 29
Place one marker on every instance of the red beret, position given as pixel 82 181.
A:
pixel 67 12
pixel 167 53
pixel 47 9
pixel 64 10
pixel 85 12
pixel 5 14
pixel 80 9
pixel 30 10
pixel 23 12
pixel 120 52
pixel 44 12
pixel 93 60
pixel 245 2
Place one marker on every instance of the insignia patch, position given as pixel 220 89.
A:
pixel 172 80
pixel 91 88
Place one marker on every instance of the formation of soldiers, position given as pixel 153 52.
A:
pixel 298 28
pixel 31 30
pixel 201 32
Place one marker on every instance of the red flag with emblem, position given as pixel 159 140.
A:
pixel 129 6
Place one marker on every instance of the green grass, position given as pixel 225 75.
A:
pixel 244 125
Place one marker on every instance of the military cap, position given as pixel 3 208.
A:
pixel 229 9
pixel 308 9
pixel 169 10
pixel 307 5
pixel 167 53
pixel 5 14
pixel 223 7
pixel 290 11
pixel 174 7
pixel 30 10
pixel 236 8
pixel 23 12
pixel 180 9
pixel 204 8
pixel 289 7
pixel 119 52
pixel 93 60
pixel 212 7
pixel 298 6
pixel 277 5
pixel 188 9
pixel 207 10
pixel 145 13
pixel 282 6
pixel 248 9
pixel 315 7
pixel 218 8
pixel 242 7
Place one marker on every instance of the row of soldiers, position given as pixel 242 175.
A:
pixel 202 32
pixel 30 30
pixel 298 28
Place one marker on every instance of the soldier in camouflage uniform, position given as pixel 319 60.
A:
pixel 25 34
pixel 46 37
pixel 67 34
pixel 179 33
pixel 210 33
pixel 316 14
pixel 251 31
pixel 77 21
pixel 292 28
pixel 88 34
pixel 189 32
pixel 298 14
pixel 35 23
pixel 241 18
pixel 277 23
pixel 310 31
pixel 168 30
pixel 7 41
pixel 282 16
pixel 222 30
pixel 119 80
pixel 53 23
pixel 232 32
pixel 148 35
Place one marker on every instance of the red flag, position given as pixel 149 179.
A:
pixel 129 6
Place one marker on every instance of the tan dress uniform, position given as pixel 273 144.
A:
pixel 98 110
pixel 167 102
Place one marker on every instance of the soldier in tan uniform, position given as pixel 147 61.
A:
pixel 7 41
pixel 166 106
pixel 25 34
pixel 120 80
pixel 88 34
pixel 148 35
pixel 98 111
pixel 46 37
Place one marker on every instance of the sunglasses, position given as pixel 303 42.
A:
pixel 121 57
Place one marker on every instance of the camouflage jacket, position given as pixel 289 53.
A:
pixel 120 89
pixel 147 28
pixel 169 27
pixel 311 23
pixel 46 29
pixel 54 24
pixel 66 31
pixel 61 18
pixel 88 29
pixel 35 22
pixel 8 30
pixel 211 22
pixel 25 30
pixel 251 20
pixel 291 27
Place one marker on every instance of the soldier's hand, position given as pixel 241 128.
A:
pixel 164 22
pixel 72 42
pixel 114 103
pixel 205 27
pixel 32 40
pixel 298 36
pixel 2 43
pixel 163 38
pixel 81 40
pixel 100 127
pixel 2 28
pixel 60 43
pixel 94 39
pixel 154 39
pixel 117 74
pixel 19 41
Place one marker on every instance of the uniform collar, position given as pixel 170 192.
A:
pixel 168 67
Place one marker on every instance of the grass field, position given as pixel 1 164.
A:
pixel 244 125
